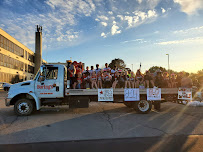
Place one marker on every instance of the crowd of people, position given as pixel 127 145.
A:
pixel 81 78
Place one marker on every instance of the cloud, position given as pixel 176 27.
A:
pixel 110 12
pixel 139 1
pixel 190 30
pixel 104 23
pixel 163 10
pixel 139 17
pixel 114 29
pixel 68 36
pixel 63 20
pixel 58 21
pixel 152 13
pixel 8 2
pixel 103 18
pixel 136 40
pixel 156 32
pixel 198 40
pixel 103 35
pixel 72 6
pixel 190 7
pixel 132 20
pixel 121 17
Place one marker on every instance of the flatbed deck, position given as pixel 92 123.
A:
pixel 94 92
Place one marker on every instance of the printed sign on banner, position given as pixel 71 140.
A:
pixel 105 94
pixel 185 93
pixel 132 94
pixel 154 94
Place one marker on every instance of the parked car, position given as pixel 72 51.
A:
pixel 6 86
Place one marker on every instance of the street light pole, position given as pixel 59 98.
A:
pixel 168 64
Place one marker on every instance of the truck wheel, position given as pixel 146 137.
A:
pixel 143 106
pixel 23 107
pixel 129 104
pixel 157 105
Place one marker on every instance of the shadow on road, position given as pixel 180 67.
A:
pixel 140 132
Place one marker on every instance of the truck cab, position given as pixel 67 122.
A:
pixel 49 83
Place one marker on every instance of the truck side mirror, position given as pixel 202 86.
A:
pixel 41 77
pixel 41 70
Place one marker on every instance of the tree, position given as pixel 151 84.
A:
pixel 119 63
pixel 195 76
pixel 155 68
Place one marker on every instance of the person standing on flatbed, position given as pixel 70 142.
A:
pixel 186 82
pixel 73 79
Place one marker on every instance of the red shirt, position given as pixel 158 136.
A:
pixel 78 70
pixel 94 77
pixel 85 77
pixel 71 73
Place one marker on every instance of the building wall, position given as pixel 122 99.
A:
pixel 15 59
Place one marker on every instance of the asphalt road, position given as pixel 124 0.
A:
pixel 103 125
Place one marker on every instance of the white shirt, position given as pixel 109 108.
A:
pixel 97 70
pixel 113 72
pixel 107 69
pixel 91 71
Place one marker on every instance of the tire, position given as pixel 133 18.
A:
pixel 129 104
pixel 23 107
pixel 157 105
pixel 143 106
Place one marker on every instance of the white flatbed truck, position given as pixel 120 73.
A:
pixel 49 87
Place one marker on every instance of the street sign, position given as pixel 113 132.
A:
pixel 185 93
pixel 132 94
pixel 153 94
pixel 105 94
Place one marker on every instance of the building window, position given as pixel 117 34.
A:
pixel 30 69
pixel 10 46
pixel 30 57
pixel 26 68
pixel 1 59
pixel 1 41
pixel 25 55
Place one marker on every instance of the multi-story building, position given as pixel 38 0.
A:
pixel 15 59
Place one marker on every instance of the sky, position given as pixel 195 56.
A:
pixel 98 31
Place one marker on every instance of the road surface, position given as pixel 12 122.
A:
pixel 104 124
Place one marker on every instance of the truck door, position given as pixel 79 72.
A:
pixel 49 87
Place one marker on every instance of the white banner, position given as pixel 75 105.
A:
pixel 185 93
pixel 132 94
pixel 105 94
pixel 153 94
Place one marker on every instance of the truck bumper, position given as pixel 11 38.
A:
pixel 7 102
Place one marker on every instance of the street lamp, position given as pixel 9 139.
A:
pixel 168 64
